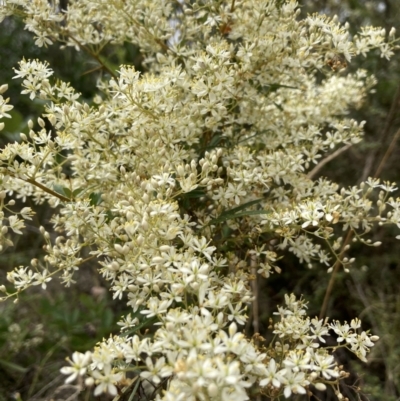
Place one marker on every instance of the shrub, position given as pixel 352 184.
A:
pixel 187 181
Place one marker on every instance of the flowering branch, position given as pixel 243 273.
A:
pixel 171 218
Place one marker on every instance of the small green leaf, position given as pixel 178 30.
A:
pixel 144 323
pixel 196 193
pixel 226 231
pixel 275 87
pixel 77 192
pixel 239 212
pixel 241 207
pixel 95 198
pixel 13 125
pixel 236 215
pixel 62 191
pixel 67 192
pixel 215 140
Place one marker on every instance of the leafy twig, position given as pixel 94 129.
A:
pixel 45 189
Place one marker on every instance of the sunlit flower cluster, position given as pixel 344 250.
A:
pixel 185 181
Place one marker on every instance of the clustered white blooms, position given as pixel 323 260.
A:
pixel 174 179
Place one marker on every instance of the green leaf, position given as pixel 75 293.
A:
pixel 144 323
pixel 221 218
pixel 95 198
pixel 77 192
pixel 67 192
pixel 241 207
pixel 275 87
pixel 14 125
pixel 269 88
pixel 278 106
pixel 107 319
pixel 196 193
pixel 215 140
pixel 13 366
pixel 62 191
pixel 226 231
pixel 109 216
pixel 239 212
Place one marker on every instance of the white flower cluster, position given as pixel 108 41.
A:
pixel 224 368
pixel 178 180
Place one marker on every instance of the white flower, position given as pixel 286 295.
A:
pixel 294 382
pixel 297 360
pixel 326 365
pixel 16 224
pixel 135 182
pixel 274 376
pixel 106 381
pixel 4 107
pixel 79 365
pixel 42 278
pixel 155 372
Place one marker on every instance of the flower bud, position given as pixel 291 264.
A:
pixel 212 390
pixel 3 88
pixel 89 381
pixel 232 329
pixel 320 386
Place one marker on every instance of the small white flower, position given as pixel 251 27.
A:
pixel 106 381
pixel 274 376
pixel 79 365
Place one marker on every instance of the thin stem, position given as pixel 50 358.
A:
pixel 45 189
pixel 383 135
pixel 94 55
pixel 41 186
pixel 256 317
pixel 141 26
pixel 336 267
pixel 335 154
pixel 387 154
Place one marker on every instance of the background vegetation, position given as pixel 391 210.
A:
pixel 36 336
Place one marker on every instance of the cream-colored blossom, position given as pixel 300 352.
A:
pixel 189 179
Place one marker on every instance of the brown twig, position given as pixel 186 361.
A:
pixel 383 136
pixel 38 185
pixel 45 189
pixel 95 56
pixel 327 159
pixel 387 154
